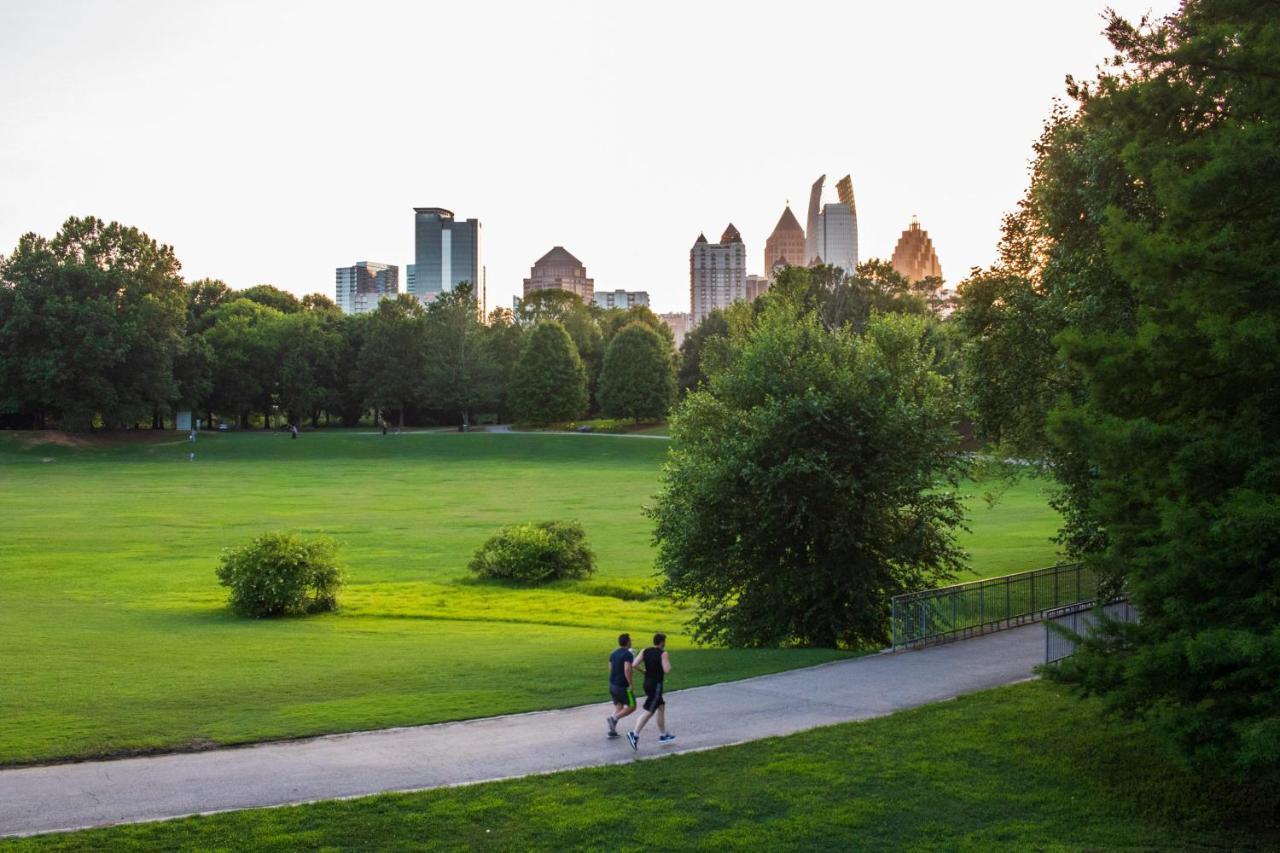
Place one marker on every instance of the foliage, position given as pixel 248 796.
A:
pixel 809 481
pixel 461 373
pixel 90 324
pixel 549 382
pixel 536 553
pixel 617 319
pixel 1148 245
pixel 708 335
pixel 502 339
pixel 242 339
pixel 637 381
pixel 282 574
pixel 272 297
pixel 393 358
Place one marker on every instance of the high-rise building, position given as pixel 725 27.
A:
pixel 559 270
pixel 832 235
pixel 785 246
pixel 446 253
pixel 717 273
pixel 679 323
pixel 621 298
pixel 914 256
pixel 361 287
pixel 756 285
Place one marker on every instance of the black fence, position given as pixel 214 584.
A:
pixel 967 609
pixel 1080 619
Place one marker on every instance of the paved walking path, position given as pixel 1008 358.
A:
pixel 72 796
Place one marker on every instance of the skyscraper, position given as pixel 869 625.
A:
pixel 717 273
pixel 446 253
pixel 832 235
pixel 361 287
pixel 785 246
pixel 914 256
pixel 559 270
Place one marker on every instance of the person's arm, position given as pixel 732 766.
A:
pixel 639 662
pixel 666 663
pixel 627 667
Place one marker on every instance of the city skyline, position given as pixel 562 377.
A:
pixel 216 158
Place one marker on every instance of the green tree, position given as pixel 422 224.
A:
pixel 92 323
pixel 1147 246
pixel 710 334
pixel 615 320
pixel 549 383
pixel 637 381
pixel 272 297
pixel 394 355
pixel 503 338
pixel 203 295
pixel 808 481
pixel 461 374
pixel 578 319
pixel 242 337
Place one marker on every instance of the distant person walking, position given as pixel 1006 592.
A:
pixel 293 430
pixel 655 663
pixel 621 690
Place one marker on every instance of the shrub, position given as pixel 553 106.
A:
pixel 282 574
pixel 536 553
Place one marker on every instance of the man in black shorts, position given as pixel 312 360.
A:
pixel 655 663
pixel 620 690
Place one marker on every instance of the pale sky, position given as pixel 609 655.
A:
pixel 274 141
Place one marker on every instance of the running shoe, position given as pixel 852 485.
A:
pixel 612 722
pixel 634 740
pixel 667 738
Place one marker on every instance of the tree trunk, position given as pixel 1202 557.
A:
pixel 401 418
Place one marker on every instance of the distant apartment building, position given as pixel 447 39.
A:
pixel 446 253
pixel 679 323
pixel 785 246
pixel 832 233
pixel 621 298
pixel 756 285
pixel 914 256
pixel 560 270
pixel 361 287
pixel 717 273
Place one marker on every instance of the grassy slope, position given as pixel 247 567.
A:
pixel 1022 767
pixel 115 635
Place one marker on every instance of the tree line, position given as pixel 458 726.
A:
pixel 98 329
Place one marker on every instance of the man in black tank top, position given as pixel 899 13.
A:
pixel 655 663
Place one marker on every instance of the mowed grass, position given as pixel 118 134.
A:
pixel 116 637
pixel 1023 767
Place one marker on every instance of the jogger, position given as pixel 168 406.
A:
pixel 620 688
pixel 655 663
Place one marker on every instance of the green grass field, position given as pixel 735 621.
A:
pixel 1018 768
pixel 116 636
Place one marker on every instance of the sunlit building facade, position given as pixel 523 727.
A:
pixel 785 246
pixel 832 233
pixel 361 287
pixel 558 269
pixel 914 256
pixel 717 273
pixel 621 298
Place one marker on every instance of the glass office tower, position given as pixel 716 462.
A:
pixel 446 253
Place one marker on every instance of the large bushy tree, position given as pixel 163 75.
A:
pixel 638 381
pixel 810 479
pixel 461 374
pixel 393 355
pixel 1148 247
pixel 549 383
pixel 91 322
pixel 702 340
pixel 243 338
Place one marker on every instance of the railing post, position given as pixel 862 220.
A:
pixel 1008 597
pixel 893 623
pixel 1031 608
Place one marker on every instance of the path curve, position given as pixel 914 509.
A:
pixel 97 793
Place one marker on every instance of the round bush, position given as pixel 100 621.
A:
pixel 282 574
pixel 536 553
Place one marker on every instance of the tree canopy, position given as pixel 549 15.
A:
pixel 549 381
pixel 637 381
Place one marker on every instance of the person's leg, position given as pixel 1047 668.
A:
pixel 644 718
pixel 662 719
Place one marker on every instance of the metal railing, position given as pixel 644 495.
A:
pixel 967 609
pixel 1080 620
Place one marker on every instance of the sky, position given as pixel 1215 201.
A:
pixel 272 142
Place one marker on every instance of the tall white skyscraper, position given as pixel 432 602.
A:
pixel 832 235
pixel 717 274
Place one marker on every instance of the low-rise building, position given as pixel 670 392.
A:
pixel 359 288
pixel 621 298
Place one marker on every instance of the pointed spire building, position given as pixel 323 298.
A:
pixel 914 256
pixel 785 246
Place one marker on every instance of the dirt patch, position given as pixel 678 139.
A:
pixel 29 440
pixel 85 440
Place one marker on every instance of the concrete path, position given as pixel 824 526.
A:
pixel 74 796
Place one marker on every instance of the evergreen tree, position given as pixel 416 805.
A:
pixel 549 383
pixel 637 381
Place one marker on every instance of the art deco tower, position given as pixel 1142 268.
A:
pixel 785 246
pixel 717 273
pixel 914 256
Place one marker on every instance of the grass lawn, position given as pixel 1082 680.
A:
pixel 116 637
pixel 1018 768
